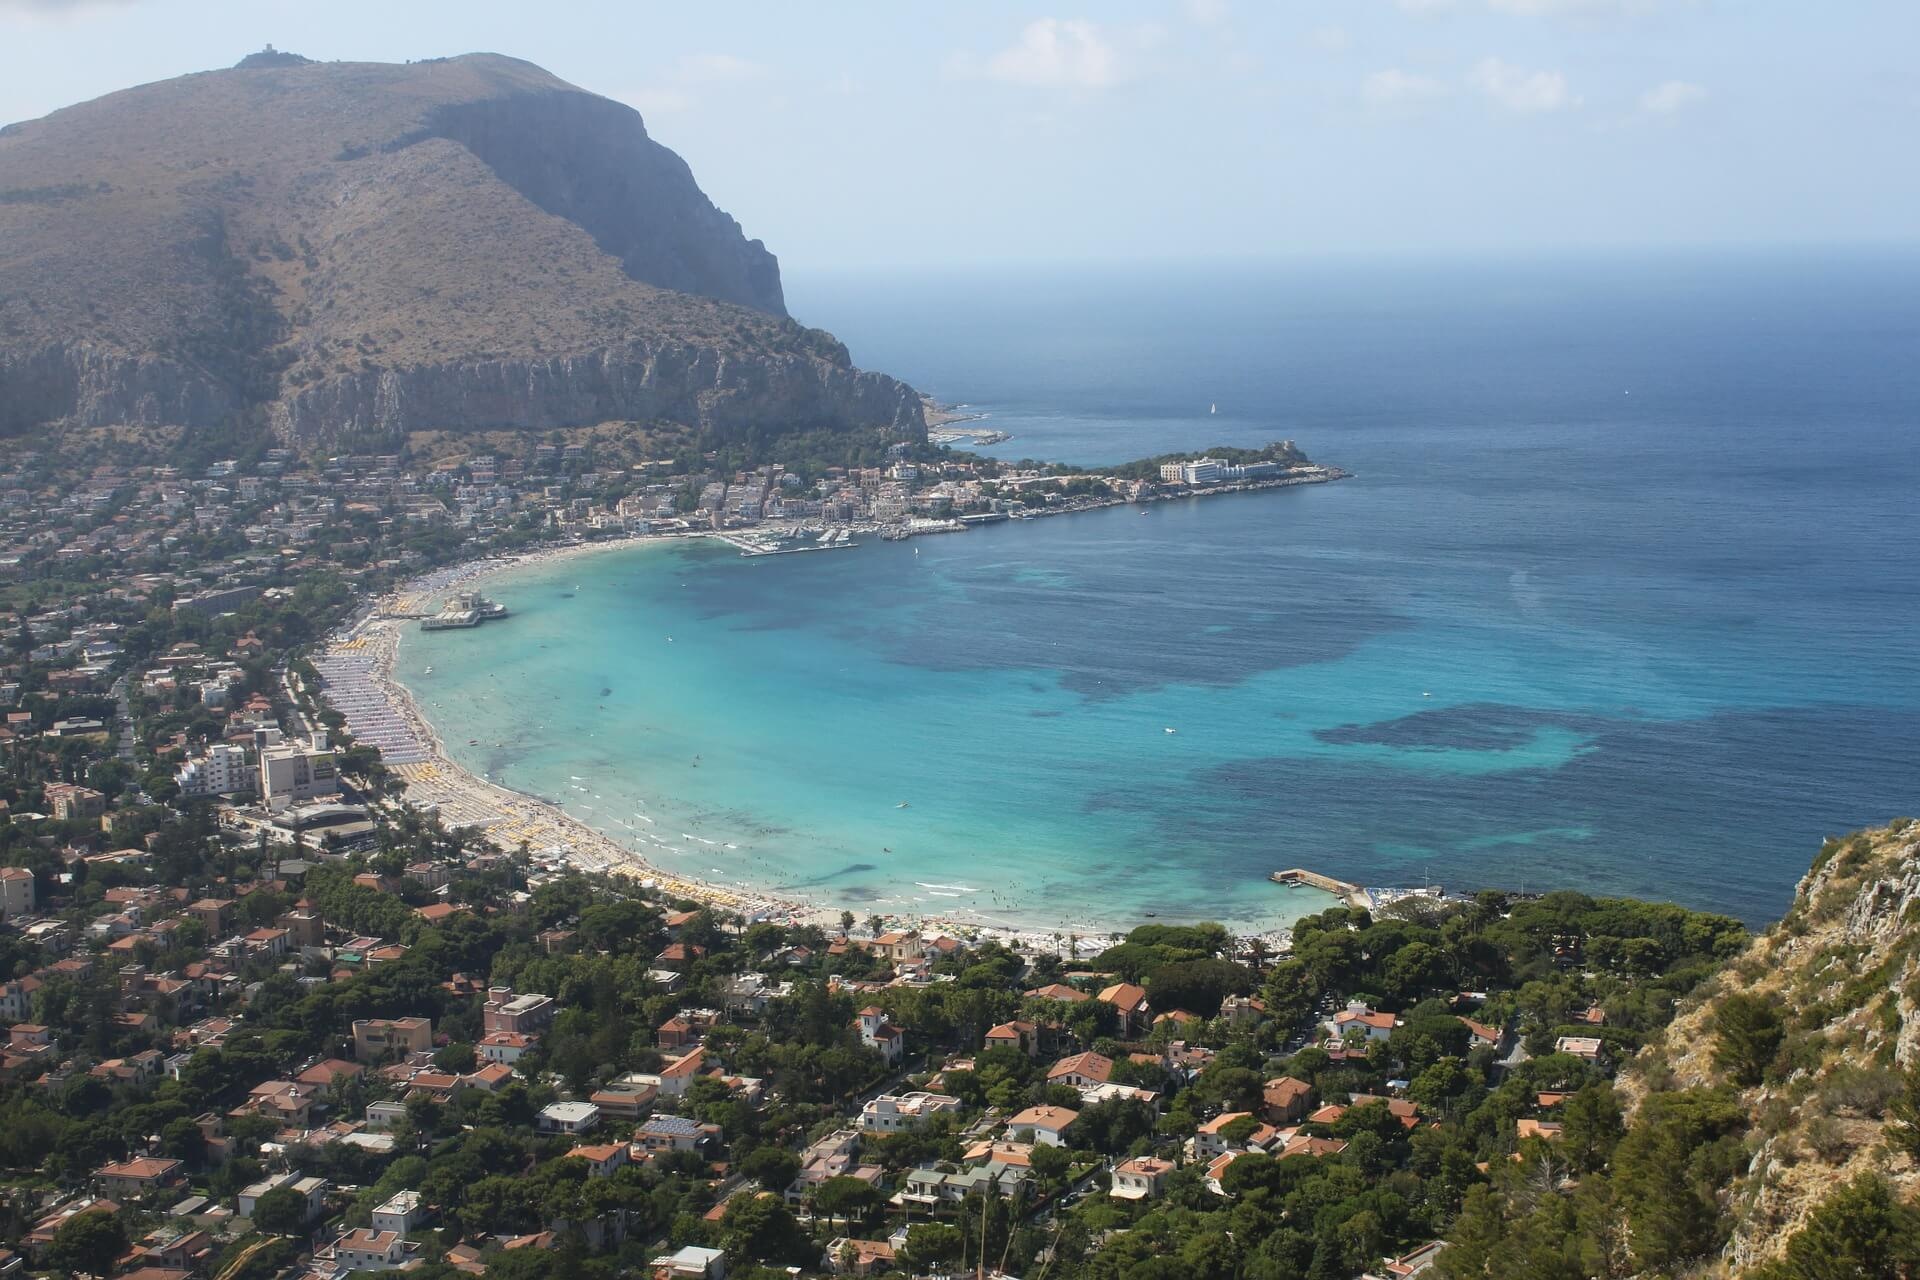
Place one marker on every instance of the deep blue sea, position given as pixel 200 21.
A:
pixel 1624 596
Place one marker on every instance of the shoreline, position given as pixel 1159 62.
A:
pixel 506 818
pixel 509 819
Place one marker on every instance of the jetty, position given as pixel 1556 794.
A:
pixel 1352 894
pixel 464 609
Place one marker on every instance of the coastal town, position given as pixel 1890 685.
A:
pixel 288 996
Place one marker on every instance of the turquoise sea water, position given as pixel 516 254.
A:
pixel 1622 597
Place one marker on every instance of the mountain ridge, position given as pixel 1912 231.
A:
pixel 343 248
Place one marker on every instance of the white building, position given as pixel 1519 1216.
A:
pixel 893 1112
pixel 291 774
pixel 222 771
pixel 365 1250
pixel 312 1190
pixel 692 1262
pixel 568 1117
pixel 16 892
pixel 399 1214
pixel 1197 471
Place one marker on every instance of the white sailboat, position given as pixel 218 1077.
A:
pixel 1213 408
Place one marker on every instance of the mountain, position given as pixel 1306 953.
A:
pixel 367 249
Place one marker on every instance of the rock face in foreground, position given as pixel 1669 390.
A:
pixel 341 248
pixel 1843 971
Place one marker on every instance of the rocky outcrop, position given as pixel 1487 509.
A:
pixel 637 381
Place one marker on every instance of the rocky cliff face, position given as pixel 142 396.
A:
pixel 639 381
pixel 1843 968
pixel 351 247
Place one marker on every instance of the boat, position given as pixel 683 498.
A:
pixel 1213 408
pixel 1170 731
pixel 473 742
pixel 427 672
pixel 903 805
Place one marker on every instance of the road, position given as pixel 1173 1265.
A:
pixel 124 713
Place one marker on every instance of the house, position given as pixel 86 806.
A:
pixel 1130 1002
pixel 1543 1130
pixel 1023 1036
pixel 329 1072
pixel 675 1033
pixel 1092 1095
pixel 859 1257
pixel 877 1033
pixel 1480 1035
pixel 1408 1265
pixel 834 1156
pixel 894 1112
pixel 288 1101
pixel 526 1014
pixel 1403 1110
pixel 368 1250
pixel 1586 1048
pixel 603 1160
pixel 690 1262
pixel 1285 1099
pixel 1048 1125
pixel 567 1117
pixel 1059 991
pixel 130 1179
pixel 1240 1011
pixel 1211 1141
pixel 1082 1070
pixel 899 946
pixel 376 1037
pixel 663 1133
pixel 504 1047
pixel 1301 1145
pixel 625 1098
pixel 676 956
pixel 1140 1178
pixel 682 1071
pixel 16 892
pixel 930 1185
pixel 1360 1019
pixel 400 1214
pixel 312 1190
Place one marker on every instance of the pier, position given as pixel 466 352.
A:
pixel 1352 894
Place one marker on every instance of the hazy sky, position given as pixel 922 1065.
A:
pixel 893 133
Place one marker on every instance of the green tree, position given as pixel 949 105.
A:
pixel 1860 1232
pixel 772 1167
pixel 929 1244
pixel 1591 1127
pixel 846 1198
pixel 1748 1032
pixel 1903 1115
pixel 89 1243
pixel 762 1229
pixel 281 1212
